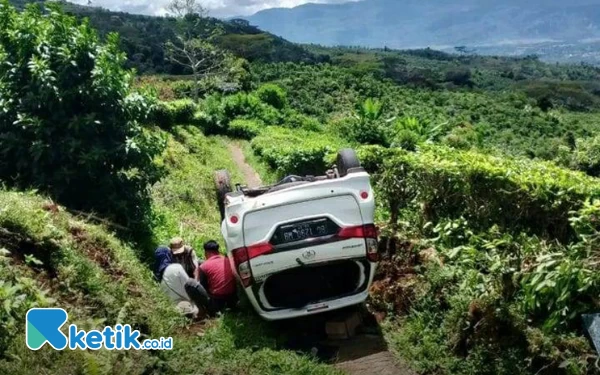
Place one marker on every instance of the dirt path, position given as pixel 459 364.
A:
pixel 367 354
pixel 250 176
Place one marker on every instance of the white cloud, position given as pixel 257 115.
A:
pixel 217 8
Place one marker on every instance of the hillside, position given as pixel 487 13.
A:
pixel 438 23
pixel 143 38
pixel 50 257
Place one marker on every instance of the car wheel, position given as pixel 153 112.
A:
pixel 346 160
pixel 223 186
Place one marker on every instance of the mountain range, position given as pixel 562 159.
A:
pixel 435 23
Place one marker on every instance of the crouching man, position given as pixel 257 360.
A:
pixel 214 287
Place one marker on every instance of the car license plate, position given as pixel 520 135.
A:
pixel 300 231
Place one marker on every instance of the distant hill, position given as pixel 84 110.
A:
pixel 143 38
pixel 435 23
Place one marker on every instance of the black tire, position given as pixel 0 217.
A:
pixel 346 160
pixel 223 187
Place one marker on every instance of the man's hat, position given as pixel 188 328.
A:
pixel 177 245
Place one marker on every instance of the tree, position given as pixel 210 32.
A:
pixel 70 125
pixel 186 8
pixel 195 52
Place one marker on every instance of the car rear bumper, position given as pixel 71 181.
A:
pixel 312 308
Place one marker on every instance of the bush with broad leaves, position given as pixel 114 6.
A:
pixel 70 124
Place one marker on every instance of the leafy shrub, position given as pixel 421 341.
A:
pixel 462 137
pixel 69 122
pixel 586 156
pixel 407 140
pixel 211 117
pixel 372 157
pixel 183 89
pixel 249 106
pixel 518 195
pixel 245 129
pixel 421 132
pixel 161 88
pixel 562 285
pixel 293 119
pixel 168 114
pixel 295 151
pixel 272 95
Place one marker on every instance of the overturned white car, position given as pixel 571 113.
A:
pixel 304 245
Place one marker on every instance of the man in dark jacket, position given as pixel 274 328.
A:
pixel 184 255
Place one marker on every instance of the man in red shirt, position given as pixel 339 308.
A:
pixel 217 286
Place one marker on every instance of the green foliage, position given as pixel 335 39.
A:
pixel 295 151
pixel 502 121
pixel 421 133
pixel 297 120
pixel 18 295
pixel 370 110
pixel 272 95
pixel 586 156
pixel 561 285
pixel 372 157
pixel 407 140
pixel 570 95
pixel 69 122
pixel 500 303
pixel 168 114
pixel 88 267
pixel 463 137
pixel 534 197
pixel 143 38
pixel 245 129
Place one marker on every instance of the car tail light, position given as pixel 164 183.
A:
pixel 360 231
pixel 372 250
pixel 369 233
pixel 242 257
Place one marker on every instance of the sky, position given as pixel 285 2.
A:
pixel 216 8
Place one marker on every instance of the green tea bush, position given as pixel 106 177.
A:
pixel 295 151
pixel 218 111
pixel 69 121
pixel 272 95
pixel 562 285
pixel 407 140
pixel 245 129
pixel 183 89
pixel 168 114
pixel 517 194
pixel 463 137
pixel 293 119
pixel 586 156
pixel 372 157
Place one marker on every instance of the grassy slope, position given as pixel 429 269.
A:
pixel 99 281
pixel 184 201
